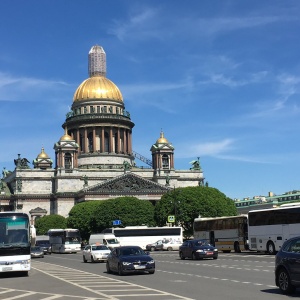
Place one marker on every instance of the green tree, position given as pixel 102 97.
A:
pixel 81 216
pixel 130 210
pixel 45 223
pixel 188 203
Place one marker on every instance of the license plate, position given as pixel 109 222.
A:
pixel 140 267
pixel 209 253
pixel 7 269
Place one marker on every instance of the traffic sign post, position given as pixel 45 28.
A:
pixel 171 219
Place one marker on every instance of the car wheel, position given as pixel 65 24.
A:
pixel 181 255
pixel 284 282
pixel 152 249
pixel 108 270
pixel 120 270
pixel 170 249
pixel 151 272
pixel 92 259
pixel 215 257
pixel 84 260
pixel 194 256
pixel 270 248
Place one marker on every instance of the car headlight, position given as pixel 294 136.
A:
pixel 200 251
pixel 126 263
pixel 151 261
pixel 215 250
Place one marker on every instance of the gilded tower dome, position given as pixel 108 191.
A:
pixel 97 86
pixel 162 139
pixel 43 154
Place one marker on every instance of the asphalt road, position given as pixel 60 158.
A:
pixel 65 276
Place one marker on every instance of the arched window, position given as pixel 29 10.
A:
pixel 68 161
pixel 165 161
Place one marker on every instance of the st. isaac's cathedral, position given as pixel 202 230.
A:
pixel 94 159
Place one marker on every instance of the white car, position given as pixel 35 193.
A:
pixel 95 253
pixel 172 245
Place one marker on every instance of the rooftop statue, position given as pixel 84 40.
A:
pixel 195 164
pixel 21 163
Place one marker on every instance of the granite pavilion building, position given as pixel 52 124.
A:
pixel 94 159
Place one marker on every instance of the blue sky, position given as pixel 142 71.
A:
pixel 220 78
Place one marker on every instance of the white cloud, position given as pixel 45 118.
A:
pixel 20 88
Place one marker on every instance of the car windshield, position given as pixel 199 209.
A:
pixel 112 241
pixel 102 247
pixel 35 248
pixel 201 243
pixel 132 251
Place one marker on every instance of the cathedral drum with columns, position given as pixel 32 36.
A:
pixel 94 159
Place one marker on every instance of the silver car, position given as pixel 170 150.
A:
pixel 95 253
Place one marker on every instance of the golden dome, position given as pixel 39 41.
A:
pixel 97 87
pixel 162 139
pixel 66 137
pixel 43 154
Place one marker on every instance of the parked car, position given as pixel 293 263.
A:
pixel 197 249
pixel 287 266
pixel 36 251
pixel 44 245
pixel 129 259
pixel 171 245
pixel 158 245
pixel 95 253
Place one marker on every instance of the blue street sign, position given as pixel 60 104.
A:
pixel 116 222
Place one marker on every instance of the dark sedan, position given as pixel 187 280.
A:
pixel 197 249
pixel 36 252
pixel 287 266
pixel 129 259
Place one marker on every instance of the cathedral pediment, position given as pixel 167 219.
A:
pixel 128 183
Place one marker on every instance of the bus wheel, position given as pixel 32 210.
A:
pixel 237 247
pixel 270 248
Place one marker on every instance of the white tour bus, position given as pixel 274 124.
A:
pixel 65 240
pixel 225 233
pixel 143 235
pixel 268 229
pixel 14 242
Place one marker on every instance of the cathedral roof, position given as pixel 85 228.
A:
pixel 97 87
pixel 162 139
pixel 43 154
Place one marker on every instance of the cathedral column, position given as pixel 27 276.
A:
pixel 125 141
pixel 78 139
pixel 94 139
pixel 111 140
pixel 102 140
pixel 118 141
pixel 130 142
